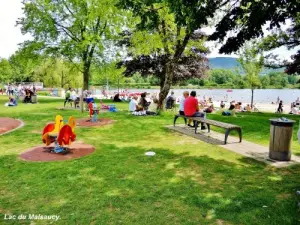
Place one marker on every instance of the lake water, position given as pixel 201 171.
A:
pixel 242 95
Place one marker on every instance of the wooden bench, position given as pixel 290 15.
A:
pixel 208 122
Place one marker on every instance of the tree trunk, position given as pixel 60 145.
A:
pixel 86 73
pixel 86 76
pixel 252 96
pixel 165 88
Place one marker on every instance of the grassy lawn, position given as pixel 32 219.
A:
pixel 187 182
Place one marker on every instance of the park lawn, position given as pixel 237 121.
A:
pixel 187 182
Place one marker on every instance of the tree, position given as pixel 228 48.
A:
pixel 265 81
pixel 166 36
pixel 247 18
pixel 108 72
pixel 56 72
pixel 75 30
pixel 252 63
pixel 5 70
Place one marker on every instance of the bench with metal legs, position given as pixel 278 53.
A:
pixel 228 127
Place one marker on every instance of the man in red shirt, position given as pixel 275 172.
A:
pixel 191 108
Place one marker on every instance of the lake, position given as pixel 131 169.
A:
pixel 242 95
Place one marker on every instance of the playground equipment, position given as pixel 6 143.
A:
pixel 94 111
pixel 62 135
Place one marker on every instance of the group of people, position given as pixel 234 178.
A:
pixel 142 105
pixel 18 91
pixel 189 106
pixel 72 96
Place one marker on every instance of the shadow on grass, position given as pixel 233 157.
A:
pixel 122 185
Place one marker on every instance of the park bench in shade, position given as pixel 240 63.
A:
pixel 228 127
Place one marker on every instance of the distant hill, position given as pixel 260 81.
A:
pixel 223 63
pixel 232 64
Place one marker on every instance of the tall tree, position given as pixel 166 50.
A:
pixel 166 32
pixel 252 63
pixel 76 30
pixel 246 18
pixel 5 71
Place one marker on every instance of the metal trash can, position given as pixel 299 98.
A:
pixel 281 134
pixel 33 99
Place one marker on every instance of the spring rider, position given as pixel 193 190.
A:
pixel 62 135
pixel 94 111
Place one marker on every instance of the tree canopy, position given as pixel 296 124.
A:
pixel 166 37
pixel 75 30
pixel 246 19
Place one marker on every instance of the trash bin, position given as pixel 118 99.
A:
pixel 281 134
pixel 33 99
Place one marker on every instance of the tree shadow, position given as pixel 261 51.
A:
pixel 122 184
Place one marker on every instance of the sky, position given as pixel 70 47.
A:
pixel 11 36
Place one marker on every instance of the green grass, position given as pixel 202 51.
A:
pixel 187 182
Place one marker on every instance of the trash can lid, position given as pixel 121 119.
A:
pixel 282 122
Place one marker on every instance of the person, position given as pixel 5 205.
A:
pixel 278 100
pixel 297 101
pixel 11 102
pixel 68 97
pixel 143 103
pixel 117 98
pixel 28 95
pixel 181 104
pixel 238 106
pixel 280 107
pixel 133 104
pixel 152 110
pixel 9 89
pixel 170 101
pixel 191 108
pixel 295 110
pixel 210 109
pixel 248 108
pixel 232 106
pixel 33 89
pixel 222 105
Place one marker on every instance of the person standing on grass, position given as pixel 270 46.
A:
pixel 191 108
pixel 182 100
pixel 68 97
pixel 280 107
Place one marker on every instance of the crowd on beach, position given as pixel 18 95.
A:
pixel 146 104
pixel 15 92
pixel 294 109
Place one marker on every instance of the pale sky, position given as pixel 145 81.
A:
pixel 11 36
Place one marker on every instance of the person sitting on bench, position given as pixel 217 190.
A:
pixel 191 108
pixel 182 100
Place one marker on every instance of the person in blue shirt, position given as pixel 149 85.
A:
pixel 12 102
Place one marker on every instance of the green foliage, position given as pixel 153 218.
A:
pixel 73 29
pixel 107 72
pixel 58 73
pixel 6 71
pixel 265 81
pixel 252 64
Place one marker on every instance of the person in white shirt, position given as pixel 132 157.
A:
pixel 133 104
pixel 295 110
pixel 181 105
pixel 73 95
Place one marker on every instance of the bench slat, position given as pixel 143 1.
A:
pixel 212 122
